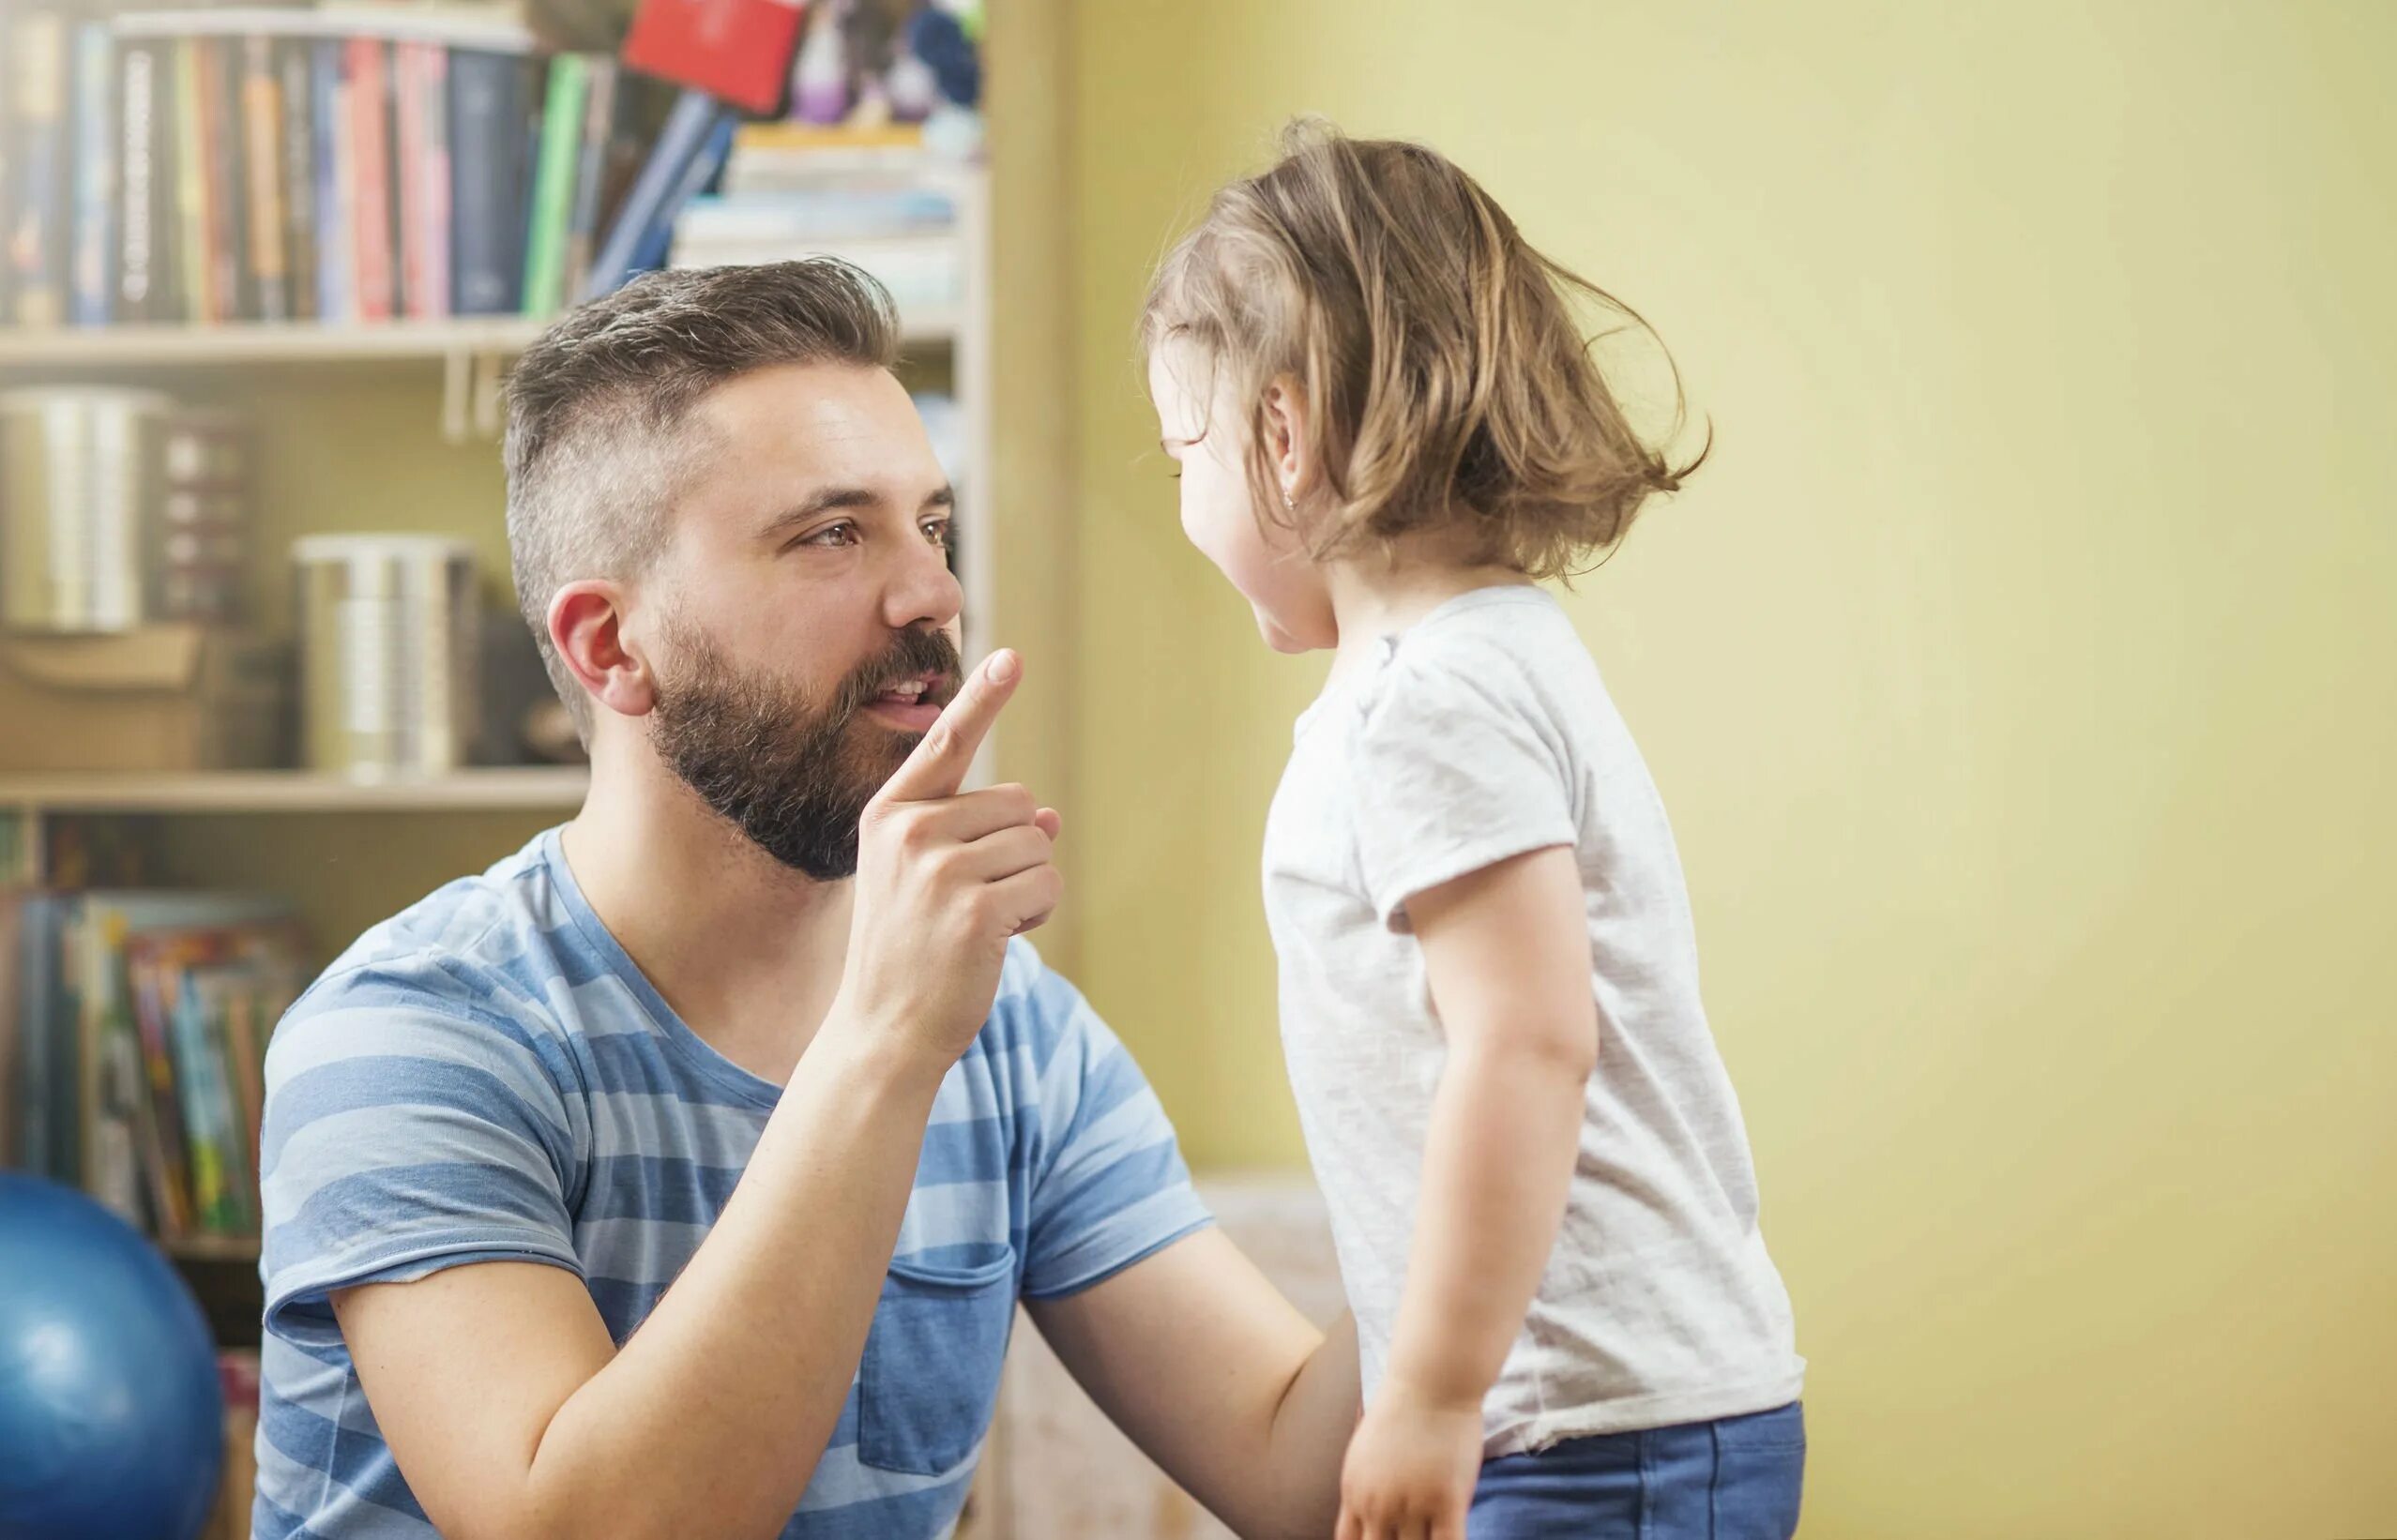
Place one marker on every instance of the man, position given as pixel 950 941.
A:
pixel 679 1175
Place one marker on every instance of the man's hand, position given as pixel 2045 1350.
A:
pixel 944 879
pixel 1410 1469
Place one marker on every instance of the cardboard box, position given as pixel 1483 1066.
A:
pixel 161 698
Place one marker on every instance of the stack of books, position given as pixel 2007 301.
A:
pixel 135 1023
pixel 871 195
pixel 291 164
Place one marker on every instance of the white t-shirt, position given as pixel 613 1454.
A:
pixel 1483 732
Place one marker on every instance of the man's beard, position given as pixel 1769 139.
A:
pixel 790 775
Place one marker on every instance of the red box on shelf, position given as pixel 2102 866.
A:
pixel 738 51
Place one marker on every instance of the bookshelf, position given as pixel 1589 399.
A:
pixel 296 791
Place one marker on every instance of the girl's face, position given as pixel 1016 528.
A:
pixel 1203 433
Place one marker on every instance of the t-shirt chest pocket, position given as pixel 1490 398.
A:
pixel 930 1379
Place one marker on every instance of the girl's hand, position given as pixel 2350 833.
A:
pixel 1410 1469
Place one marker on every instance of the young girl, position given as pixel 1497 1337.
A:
pixel 1387 428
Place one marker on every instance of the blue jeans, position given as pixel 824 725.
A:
pixel 1733 1479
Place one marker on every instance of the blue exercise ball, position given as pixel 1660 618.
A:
pixel 112 1424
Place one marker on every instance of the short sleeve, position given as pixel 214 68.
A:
pixel 407 1128
pixel 1108 1186
pixel 1453 773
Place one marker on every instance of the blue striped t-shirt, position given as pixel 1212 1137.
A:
pixel 489 1077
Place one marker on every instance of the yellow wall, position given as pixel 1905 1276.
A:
pixel 2020 677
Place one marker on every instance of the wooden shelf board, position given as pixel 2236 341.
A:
pixel 307 342
pixel 262 342
pixel 212 1248
pixel 295 792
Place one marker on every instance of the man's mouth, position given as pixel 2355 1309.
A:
pixel 914 689
pixel 913 703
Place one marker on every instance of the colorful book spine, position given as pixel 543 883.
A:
pixel 486 109
pixel 41 1137
pixel 262 118
pixel 418 72
pixel 93 267
pixel 205 1120
pixel 146 975
pixel 191 184
pixel 590 174
pixel 373 266
pixel 221 179
pixel 336 194
pixel 36 58
pixel 433 81
pixel 144 96
pixel 646 217
pixel 8 224
pixel 297 101
pixel 553 179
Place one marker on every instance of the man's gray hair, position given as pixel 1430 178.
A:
pixel 594 458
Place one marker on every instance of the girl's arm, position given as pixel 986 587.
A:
pixel 1506 952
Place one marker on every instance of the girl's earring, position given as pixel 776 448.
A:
pixel 1289 504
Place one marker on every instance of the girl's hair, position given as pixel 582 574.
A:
pixel 1451 392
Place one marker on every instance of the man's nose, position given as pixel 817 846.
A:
pixel 922 590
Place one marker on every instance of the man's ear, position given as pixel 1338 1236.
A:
pixel 586 621
pixel 1289 445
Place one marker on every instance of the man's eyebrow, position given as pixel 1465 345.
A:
pixel 834 499
pixel 823 500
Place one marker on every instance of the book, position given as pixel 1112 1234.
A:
pixel 487 108
pixel 11 902
pixel 336 195
pixel 144 289
pixel 736 51
pixel 267 278
pixel 774 156
pixel 36 60
pixel 374 265
pixel 592 163
pixel 198 282
pixel 554 183
pixel 42 1066
pixel 7 203
pixel 419 71
pixel 93 236
pixel 688 149
pixel 297 101
pixel 220 151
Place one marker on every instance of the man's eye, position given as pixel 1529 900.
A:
pixel 936 532
pixel 842 534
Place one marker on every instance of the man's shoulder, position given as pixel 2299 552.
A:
pixel 1038 1012
pixel 486 947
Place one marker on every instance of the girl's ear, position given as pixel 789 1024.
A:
pixel 1289 445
